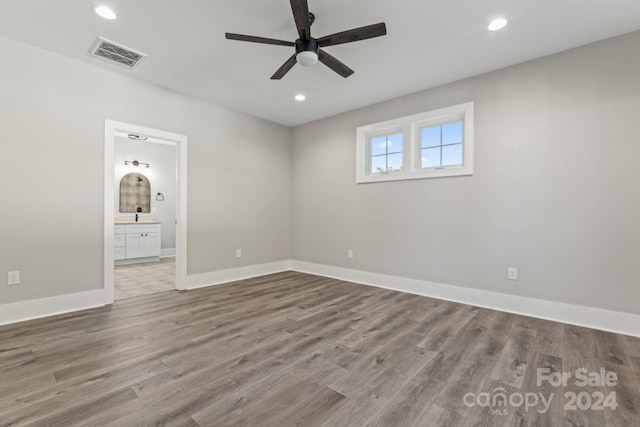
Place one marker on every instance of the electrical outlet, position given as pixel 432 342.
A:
pixel 13 278
pixel 512 273
pixel 238 253
pixel 350 254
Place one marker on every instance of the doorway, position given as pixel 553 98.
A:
pixel 145 210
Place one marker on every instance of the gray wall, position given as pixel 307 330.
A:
pixel 162 179
pixel 52 112
pixel 554 193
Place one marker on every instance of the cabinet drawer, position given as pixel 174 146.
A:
pixel 119 229
pixel 118 253
pixel 118 241
pixel 143 228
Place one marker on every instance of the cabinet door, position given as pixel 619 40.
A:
pixel 135 248
pixel 151 244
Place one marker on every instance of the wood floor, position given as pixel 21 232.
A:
pixel 298 350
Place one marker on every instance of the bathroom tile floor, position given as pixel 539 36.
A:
pixel 144 279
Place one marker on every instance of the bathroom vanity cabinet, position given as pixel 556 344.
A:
pixel 137 242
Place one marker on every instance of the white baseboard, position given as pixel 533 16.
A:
pixel 167 252
pixel 233 274
pixel 51 306
pixel 606 320
pixel 44 307
pixel 131 261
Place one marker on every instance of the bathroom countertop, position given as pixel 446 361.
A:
pixel 134 222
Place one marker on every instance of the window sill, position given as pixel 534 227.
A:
pixel 417 174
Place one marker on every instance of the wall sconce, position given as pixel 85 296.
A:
pixel 135 163
pixel 160 197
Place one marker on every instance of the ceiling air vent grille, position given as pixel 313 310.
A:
pixel 115 52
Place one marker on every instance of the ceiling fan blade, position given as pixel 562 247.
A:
pixel 300 10
pixel 285 68
pixel 354 35
pixel 334 64
pixel 254 39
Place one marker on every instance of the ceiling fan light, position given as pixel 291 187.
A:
pixel 307 58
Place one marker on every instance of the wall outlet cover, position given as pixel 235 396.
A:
pixel 13 278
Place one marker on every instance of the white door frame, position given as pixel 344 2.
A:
pixel 110 129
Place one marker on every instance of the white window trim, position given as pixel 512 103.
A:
pixel 410 126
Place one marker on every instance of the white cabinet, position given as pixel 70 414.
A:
pixel 134 246
pixel 151 244
pixel 137 242
pixel 119 242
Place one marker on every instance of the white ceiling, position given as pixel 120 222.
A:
pixel 429 43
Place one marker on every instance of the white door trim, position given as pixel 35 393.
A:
pixel 110 129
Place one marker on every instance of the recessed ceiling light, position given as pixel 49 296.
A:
pixel 300 97
pixel 105 12
pixel 497 24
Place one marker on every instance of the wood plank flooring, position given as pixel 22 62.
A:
pixel 293 349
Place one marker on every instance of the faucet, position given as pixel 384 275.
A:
pixel 136 217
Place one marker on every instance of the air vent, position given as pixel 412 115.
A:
pixel 118 53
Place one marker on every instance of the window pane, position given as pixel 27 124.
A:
pixel 378 145
pixel 431 137
pixel 395 162
pixel 395 143
pixel 378 164
pixel 452 133
pixel 452 155
pixel 431 157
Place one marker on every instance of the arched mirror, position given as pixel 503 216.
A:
pixel 135 193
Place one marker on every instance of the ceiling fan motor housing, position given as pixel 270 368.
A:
pixel 307 51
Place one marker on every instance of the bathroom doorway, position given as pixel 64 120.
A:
pixel 145 211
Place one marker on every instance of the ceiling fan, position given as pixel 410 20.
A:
pixel 308 49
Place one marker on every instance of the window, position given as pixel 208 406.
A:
pixel 441 145
pixel 386 153
pixel 433 144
